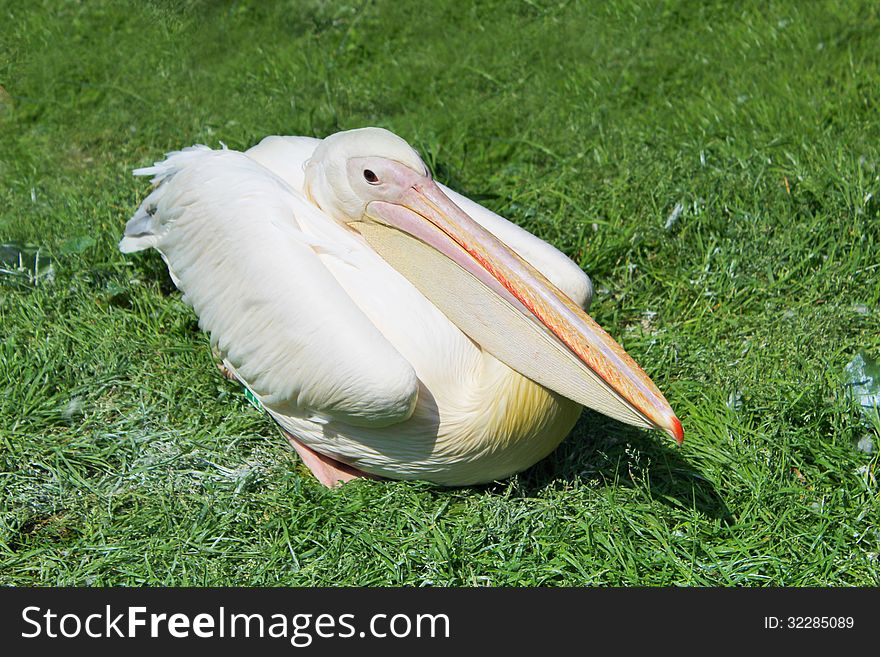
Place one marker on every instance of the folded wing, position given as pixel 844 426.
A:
pixel 228 229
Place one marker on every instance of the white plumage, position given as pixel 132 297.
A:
pixel 344 352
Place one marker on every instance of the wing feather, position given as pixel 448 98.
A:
pixel 227 228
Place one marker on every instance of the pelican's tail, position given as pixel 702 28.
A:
pixel 145 228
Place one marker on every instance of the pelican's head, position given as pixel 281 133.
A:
pixel 350 169
pixel 373 181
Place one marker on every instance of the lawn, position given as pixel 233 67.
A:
pixel 714 166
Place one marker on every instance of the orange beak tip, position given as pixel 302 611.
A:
pixel 676 430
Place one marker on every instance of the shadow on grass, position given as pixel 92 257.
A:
pixel 149 266
pixel 607 452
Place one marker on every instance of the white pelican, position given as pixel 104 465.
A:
pixel 389 325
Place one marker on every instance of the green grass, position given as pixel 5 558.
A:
pixel 125 458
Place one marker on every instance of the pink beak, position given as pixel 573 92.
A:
pixel 422 211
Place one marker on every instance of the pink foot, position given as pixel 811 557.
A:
pixel 328 471
pixel 227 374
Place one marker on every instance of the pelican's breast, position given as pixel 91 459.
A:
pixel 509 424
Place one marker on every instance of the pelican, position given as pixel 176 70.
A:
pixel 392 327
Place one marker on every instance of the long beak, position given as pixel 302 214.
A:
pixel 508 307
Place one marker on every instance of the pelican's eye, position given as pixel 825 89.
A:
pixel 370 177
